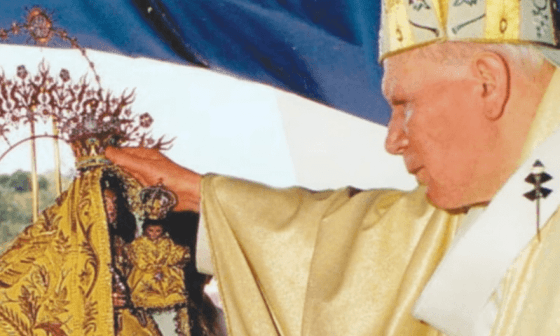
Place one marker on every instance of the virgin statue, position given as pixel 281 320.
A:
pixel 65 274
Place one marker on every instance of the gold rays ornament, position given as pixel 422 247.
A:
pixel 56 276
pixel 82 114
pixel 39 27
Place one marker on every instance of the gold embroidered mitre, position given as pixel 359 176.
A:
pixel 407 24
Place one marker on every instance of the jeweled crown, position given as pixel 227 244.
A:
pixel 156 202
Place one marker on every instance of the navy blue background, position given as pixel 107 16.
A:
pixel 322 49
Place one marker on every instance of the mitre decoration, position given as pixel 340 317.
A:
pixel 407 24
pixel 537 177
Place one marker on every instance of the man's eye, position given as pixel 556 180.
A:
pixel 407 114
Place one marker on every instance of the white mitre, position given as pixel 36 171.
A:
pixel 407 24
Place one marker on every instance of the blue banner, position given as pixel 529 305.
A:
pixel 322 49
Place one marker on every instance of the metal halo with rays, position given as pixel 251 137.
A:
pixel 40 27
pixel 87 117
pixel 84 115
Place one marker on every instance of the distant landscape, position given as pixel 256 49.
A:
pixel 16 201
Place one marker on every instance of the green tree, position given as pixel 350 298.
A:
pixel 4 180
pixel 16 201
pixel 43 183
pixel 19 181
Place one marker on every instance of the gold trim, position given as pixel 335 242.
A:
pixel 57 174
pixel 498 12
pixel 34 179
pixel 442 11
pixel 419 45
pixel 474 40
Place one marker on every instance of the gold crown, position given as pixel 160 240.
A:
pixel 156 201
pixel 407 24
pixel 89 119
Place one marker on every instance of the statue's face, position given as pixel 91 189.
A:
pixel 110 201
pixel 153 232
pixel 155 210
pixel 438 126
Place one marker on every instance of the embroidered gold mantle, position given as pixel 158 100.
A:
pixel 55 277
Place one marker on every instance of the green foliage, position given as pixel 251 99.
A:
pixel 20 181
pixel 43 183
pixel 16 201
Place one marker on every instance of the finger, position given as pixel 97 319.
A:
pixel 125 159
pixel 113 153
pixel 142 152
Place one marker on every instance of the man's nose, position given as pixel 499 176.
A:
pixel 397 139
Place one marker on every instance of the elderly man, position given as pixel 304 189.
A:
pixel 474 120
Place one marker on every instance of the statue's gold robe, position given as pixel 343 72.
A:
pixel 55 278
pixel 157 278
pixel 349 262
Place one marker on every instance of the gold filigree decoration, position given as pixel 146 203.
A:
pixel 39 26
pixel 88 118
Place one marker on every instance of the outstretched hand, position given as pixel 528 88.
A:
pixel 149 166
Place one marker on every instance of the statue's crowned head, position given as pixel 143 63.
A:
pixel 86 117
pixel 408 24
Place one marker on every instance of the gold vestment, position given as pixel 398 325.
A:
pixel 349 262
pixel 157 278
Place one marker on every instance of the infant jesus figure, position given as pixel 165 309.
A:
pixel 156 279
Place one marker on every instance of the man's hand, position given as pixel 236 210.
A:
pixel 149 166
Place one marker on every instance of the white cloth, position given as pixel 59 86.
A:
pixel 166 323
pixel 203 252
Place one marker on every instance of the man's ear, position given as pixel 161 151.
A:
pixel 493 76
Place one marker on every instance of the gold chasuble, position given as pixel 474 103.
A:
pixel 349 262
pixel 330 263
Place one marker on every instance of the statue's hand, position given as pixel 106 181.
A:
pixel 149 167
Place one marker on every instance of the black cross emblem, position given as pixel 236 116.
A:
pixel 537 177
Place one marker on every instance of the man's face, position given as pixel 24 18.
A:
pixel 153 232
pixel 437 125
